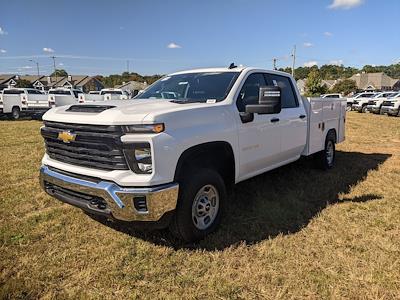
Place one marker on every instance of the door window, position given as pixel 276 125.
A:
pixel 250 90
pixel 288 97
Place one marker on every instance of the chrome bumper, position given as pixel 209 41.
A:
pixel 390 111
pixel 119 201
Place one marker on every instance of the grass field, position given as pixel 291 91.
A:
pixel 295 232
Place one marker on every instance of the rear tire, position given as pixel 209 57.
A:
pixel 326 158
pixel 15 113
pixel 348 108
pixel 202 195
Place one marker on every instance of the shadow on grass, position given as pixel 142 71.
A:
pixel 282 201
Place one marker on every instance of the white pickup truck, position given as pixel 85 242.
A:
pixel 375 104
pixel 358 97
pixel 15 102
pixel 63 96
pixel 103 95
pixel 169 162
pixel 391 106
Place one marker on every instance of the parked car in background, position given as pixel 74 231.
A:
pixel 391 106
pixel 356 97
pixel 169 157
pixel 15 102
pixel 336 95
pixel 63 96
pixel 375 104
pixel 103 95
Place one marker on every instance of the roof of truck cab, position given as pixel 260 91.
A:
pixel 219 70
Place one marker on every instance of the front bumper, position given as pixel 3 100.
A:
pixel 109 199
pixel 374 109
pixel 389 110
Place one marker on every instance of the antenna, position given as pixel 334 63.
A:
pixel 54 65
pixel 232 66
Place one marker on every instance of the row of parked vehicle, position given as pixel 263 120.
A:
pixel 15 102
pixel 377 103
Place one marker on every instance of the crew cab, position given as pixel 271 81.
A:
pixel 15 102
pixel 358 97
pixel 103 95
pixel 63 96
pixel 375 104
pixel 391 106
pixel 169 161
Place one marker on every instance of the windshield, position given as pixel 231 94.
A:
pixel 198 87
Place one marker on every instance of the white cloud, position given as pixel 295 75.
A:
pixel 3 51
pixel 173 46
pixel 2 31
pixel 60 64
pixel 310 63
pixel 26 67
pixel 48 50
pixel 328 34
pixel 337 62
pixel 308 44
pixel 345 4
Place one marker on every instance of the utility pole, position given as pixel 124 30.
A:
pixel 294 59
pixel 54 65
pixel 127 66
pixel 37 66
pixel 274 63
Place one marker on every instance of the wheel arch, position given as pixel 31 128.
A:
pixel 216 154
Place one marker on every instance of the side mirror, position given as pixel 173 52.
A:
pixel 269 101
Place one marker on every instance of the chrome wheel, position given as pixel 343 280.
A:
pixel 330 152
pixel 205 207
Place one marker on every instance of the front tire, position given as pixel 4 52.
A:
pixel 200 205
pixel 326 158
pixel 348 108
pixel 364 109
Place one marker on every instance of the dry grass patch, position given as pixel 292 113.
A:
pixel 295 232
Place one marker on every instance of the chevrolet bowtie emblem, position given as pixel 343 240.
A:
pixel 66 136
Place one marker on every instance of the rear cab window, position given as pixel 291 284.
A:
pixel 288 95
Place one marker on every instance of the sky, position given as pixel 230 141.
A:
pixel 159 37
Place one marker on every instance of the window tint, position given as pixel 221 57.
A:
pixel 287 94
pixel 111 92
pixel 13 92
pixel 60 92
pixel 250 90
pixel 34 92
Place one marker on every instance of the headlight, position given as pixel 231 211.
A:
pixel 139 158
pixel 151 128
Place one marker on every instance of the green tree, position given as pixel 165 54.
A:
pixel 59 73
pixel 314 86
pixel 345 87
pixel 22 83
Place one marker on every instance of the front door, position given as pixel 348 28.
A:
pixel 259 140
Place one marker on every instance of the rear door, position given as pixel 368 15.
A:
pixel 37 99
pixel 292 119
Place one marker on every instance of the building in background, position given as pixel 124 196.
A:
pixel 83 82
pixel 375 82
pixel 132 87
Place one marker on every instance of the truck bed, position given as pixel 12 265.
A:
pixel 323 114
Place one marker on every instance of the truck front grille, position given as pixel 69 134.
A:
pixel 93 146
pixel 388 103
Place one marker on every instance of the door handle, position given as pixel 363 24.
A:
pixel 274 120
pixel 302 116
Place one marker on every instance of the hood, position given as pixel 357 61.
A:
pixel 118 112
